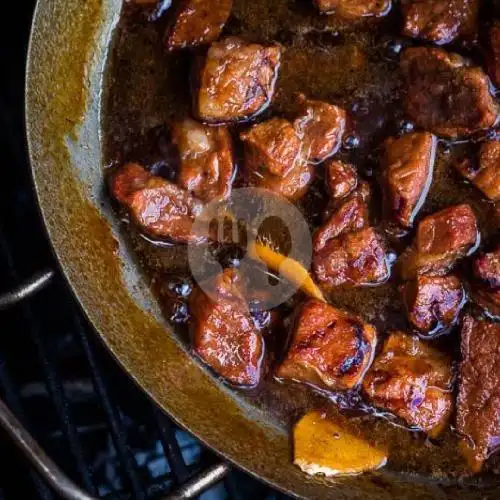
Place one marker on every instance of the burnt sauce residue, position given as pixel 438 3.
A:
pixel 352 65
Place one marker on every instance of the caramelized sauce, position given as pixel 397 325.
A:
pixel 354 65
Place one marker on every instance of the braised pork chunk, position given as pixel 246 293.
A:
pixel 440 21
pixel 329 348
pixel 445 94
pixel 478 403
pixel 412 380
pixel 198 22
pixel 223 331
pixel 236 81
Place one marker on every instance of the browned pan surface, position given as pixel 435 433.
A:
pixel 65 77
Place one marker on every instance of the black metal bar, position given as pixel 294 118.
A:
pixel 201 482
pixel 53 383
pixel 56 393
pixel 42 463
pixel 170 445
pixel 36 283
pixel 126 459
pixel 10 395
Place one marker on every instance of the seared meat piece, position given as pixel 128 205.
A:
pixel 493 59
pixel 274 159
pixel 341 179
pixel 356 258
pixel 198 22
pixel 330 348
pixel 408 164
pixel 354 9
pixel 440 21
pixel 164 210
pixel 485 175
pixel 272 146
pixel 236 81
pixel 207 167
pixel 351 215
pixel 413 381
pixel 157 206
pixel 433 303
pixel 478 402
pixel 126 180
pixel 442 238
pixel 446 95
pixel 486 290
pixel 223 331
pixel 322 126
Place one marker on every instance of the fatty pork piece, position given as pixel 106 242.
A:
pixel 407 167
pixel 236 81
pixel 346 251
pixel 440 21
pixel 274 159
pixel 354 9
pixel 206 155
pixel 341 179
pixel 158 207
pixel 329 349
pixel 445 94
pixel 412 380
pixel 478 402
pixel 486 288
pixel 485 173
pixel 442 239
pixel 223 331
pixel 433 303
pixel 198 22
pixel 321 126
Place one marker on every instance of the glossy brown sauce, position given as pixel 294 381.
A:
pixel 354 65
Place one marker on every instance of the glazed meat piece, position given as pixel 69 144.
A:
pixel 493 58
pixel 354 9
pixel 236 81
pixel 223 332
pixel 440 21
pixel 272 147
pixel 126 180
pixel 357 258
pixel 446 95
pixel 321 125
pixel 407 164
pixel 433 303
pixel 486 289
pixel 198 22
pixel 160 208
pixel 442 239
pixel 351 215
pixel 206 167
pixel 329 349
pixel 412 380
pixel 164 210
pixel 485 174
pixel 274 159
pixel 478 402
pixel 341 179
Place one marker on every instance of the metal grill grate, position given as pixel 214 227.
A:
pixel 55 376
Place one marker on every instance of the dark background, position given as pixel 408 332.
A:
pixel 54 373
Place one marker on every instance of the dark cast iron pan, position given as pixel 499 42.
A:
pixel 68 50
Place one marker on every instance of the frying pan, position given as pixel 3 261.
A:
pixel 67 56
